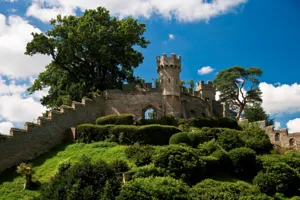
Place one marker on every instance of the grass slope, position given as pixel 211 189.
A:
pixel 11 184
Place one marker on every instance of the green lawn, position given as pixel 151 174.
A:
pixel 11 184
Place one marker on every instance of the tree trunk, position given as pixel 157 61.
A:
pixel 28 182
pixel 238 116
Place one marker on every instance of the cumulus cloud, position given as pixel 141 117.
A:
pixel 15 33
pixel 280 99
pixel 5 127
pixel 184 11
pixel 205 70
pixel 293 125
pixel 171 37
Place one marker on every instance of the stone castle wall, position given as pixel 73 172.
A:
pixel 280 137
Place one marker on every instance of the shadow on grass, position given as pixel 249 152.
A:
pixel 11 173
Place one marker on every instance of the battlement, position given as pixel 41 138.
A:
pixel 173 61
pixel 201 85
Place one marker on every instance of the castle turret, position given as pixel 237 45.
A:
pixel 168 69
pixel 206 91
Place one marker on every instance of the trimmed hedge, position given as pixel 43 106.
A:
pixel 165 120
pixel 222 122
pixel 180 138
pixel 126 134
pixel 125 119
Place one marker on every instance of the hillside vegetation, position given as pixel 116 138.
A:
pixel 160 159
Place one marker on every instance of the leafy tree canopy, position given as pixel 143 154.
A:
pixel 89 53
pixel 239 86
pixel 256 112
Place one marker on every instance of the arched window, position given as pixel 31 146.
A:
pixel 277 137
pixel 292 142
pixel 149 113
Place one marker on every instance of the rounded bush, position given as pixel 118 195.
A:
pixel 180 162
pixel 148 171
pixel 230 139
pixel 211 190
pixel 180 138
pixel 278 177
pixel 164 188
pixel 208 148
pixel 122 119
pixel 244 162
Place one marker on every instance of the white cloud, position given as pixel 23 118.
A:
pixel 184 11
pixel 277 125
pixel 15 33
pixel 205 70
pixel 5 127
pixel 280 99
pixel 12 10
pixel 171 37
pixel 293 125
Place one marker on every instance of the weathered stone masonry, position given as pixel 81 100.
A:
pixel 167 97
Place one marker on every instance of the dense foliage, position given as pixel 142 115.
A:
pixel 257 113
pixel 222 122
pixel 180 138
pixel 122 119
pixel 92 52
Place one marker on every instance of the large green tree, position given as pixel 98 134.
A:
pixel 238 87
pixel 256 112
pixel 89 53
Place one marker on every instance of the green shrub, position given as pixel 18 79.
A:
pixel 122 119
pixel 255 138
pixel 148 171
pixel 140 155
pixel 195 138
pixel 211 165
pixel 126 134
pixel 207 148
pixel 83 180
pixel 244 162
pixel 154 188
pixel 225 164
pixel 292 158
pixel 88 133
pixel 142 122
pixel 278 177
pixel 214 122
pixel 216 190
pixel 119 166
pixel 157 134
pixel 180 162
pixel 180 138
pixel 230 139
pixel 168 120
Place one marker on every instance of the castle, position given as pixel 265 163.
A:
pixel 167 97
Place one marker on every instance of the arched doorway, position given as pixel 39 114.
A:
pixel 277 136
pixel 149 113
pixel 291 142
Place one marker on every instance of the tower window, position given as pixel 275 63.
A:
pixel 169 80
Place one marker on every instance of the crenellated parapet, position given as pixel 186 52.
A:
pixel 164 61
pixel 37 138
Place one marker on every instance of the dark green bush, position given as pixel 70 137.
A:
pixel 88 133
pixel 83 180
pixel 212 165
pixel 230 139
pixel 140 155
pixel 125 134
pixel 278 177
pixel 168 120
pixel 216 190
pixel 180 138
pixel 196 139
pixel 225 164
pixel 244 162
pixel 214 122
pixel 157 134
pixel 148 171
pixel 257 139
pixel 142 122
pixel 119 166
pixel 292 158
pixel 122 119
pixel 180 162
pixel 207 148
pixel 154 188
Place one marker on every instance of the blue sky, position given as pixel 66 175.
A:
pixel 215 35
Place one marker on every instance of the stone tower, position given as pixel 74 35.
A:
pixel 207 91
pixel 168 69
